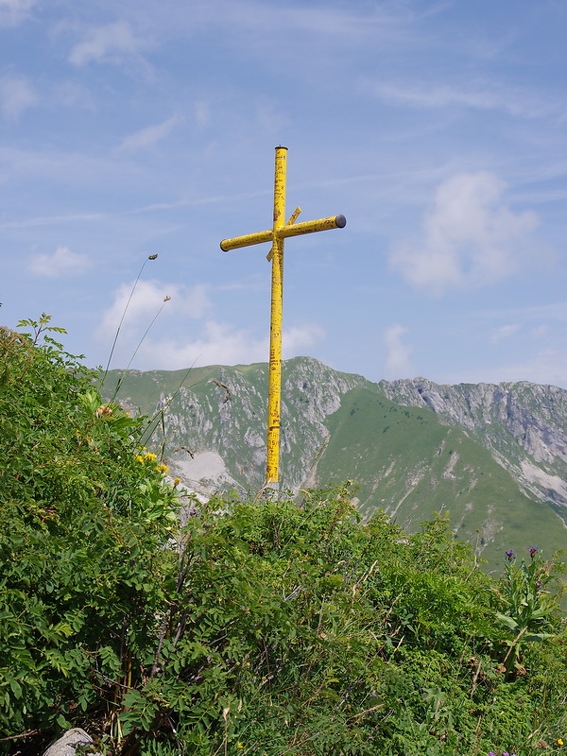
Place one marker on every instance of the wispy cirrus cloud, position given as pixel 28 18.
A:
pixel 63 262
pixel 470 236
pixel 202 114
pixel 503 332
pixel 16 95
pixel 546 366
pixel 344 25
pixel 398 363
pixel 480 96
pixel 72 94
pixel 147 137
pixel 110 42
pixel 13 12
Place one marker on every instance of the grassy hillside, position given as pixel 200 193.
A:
pixel 410 464
pixel 141 390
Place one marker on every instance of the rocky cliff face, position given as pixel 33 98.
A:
pixel 524 425
pixel 215 431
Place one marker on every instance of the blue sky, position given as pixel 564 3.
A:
pixel 438 129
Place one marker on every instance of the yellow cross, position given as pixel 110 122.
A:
pixel 279 231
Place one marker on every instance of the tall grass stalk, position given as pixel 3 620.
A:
pixel 123 373
pixel 149 257
pixel 158 418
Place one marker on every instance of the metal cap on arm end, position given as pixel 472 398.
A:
pixel 340 220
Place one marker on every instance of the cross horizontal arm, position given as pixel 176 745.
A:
pixel 296 229
pixel 309 227
pixel 246 241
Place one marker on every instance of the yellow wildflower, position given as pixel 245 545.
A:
pixel 162 468
pixel 559 741
pixel 150 456
pixel 139 458
pixel 176 481
pixel 239 745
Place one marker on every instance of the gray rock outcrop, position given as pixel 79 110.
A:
pixel 67 745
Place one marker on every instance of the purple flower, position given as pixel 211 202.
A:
pixel 533 551
pixel 509 556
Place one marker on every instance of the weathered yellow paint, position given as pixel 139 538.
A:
pixel 293 218
pixel 277 234
pixel 290 229
pixel 276 317
pixel 246 241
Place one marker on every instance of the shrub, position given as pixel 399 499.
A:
pixel 83 518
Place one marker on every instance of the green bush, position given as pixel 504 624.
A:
pixel 84 514
pixel 266 627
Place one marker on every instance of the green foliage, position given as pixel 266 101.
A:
pixel 82 525
pixel 266 627
pixel 296 629
pixel 530 607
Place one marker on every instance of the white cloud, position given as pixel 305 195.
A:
pixel 12 12
pixel 482 96
pixel 398 364
pixel 270 116
pixel 146 300
pixel 147 137
pixel 296 339
pixel 63 262
pixel 16 95
pixel 470 237
pixel 503 332
pixel 74 95
pixel 265 20
pixel 547 367
pixel 215 342
pixel 540 331
pixel 202 114
pixel 221 344
pixel 218 344
pixel 107 42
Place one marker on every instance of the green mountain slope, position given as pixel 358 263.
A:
pixel 410 464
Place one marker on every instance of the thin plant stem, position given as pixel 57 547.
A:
pixel 153 421
pixel 123 374
pixel 149 257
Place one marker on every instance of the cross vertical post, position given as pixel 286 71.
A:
pixel 276 320
pixel 277 234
